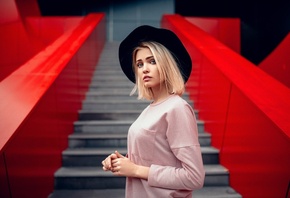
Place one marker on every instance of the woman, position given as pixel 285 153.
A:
pixel 164 156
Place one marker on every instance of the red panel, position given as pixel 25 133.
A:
pixel 4 192
pixel 49 28
pixel 9 12
pixel 219 28
pixel 277 64
pixel 230 33
pixel 21 39
pixel 15 47
pixel 255 150
pixel 43 31
pixel 245 110
pixel 213 103
pixel 28 8
pixel 45 95
pixel 34 153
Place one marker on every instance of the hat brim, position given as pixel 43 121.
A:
pixel 163 36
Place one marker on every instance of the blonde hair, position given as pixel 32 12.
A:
pixel 167 67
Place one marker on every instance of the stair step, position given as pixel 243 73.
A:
pixel 117 105
pixel 111 114
pixel 112 71
pixel 113 95
pixel 99 140
pixel 110 85
pixel 87 178
pixel 108 114
pixel 94 156
pixel 102 126
pixel 96 178
pixel 112 126
pixel 216 192
pixel 205 192
pixel 110 78
pixel 107 69
pixel 101 96
pixel 89 140
pixel 106 79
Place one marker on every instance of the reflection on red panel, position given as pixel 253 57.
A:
pixel 9 12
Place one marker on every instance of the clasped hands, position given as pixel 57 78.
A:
pixel 119 165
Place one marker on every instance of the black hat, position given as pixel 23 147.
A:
pixel 163 36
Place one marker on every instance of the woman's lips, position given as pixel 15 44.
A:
pixel 146 78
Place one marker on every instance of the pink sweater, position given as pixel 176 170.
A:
pixel 165 138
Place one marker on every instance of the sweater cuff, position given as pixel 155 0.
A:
pixel 152 172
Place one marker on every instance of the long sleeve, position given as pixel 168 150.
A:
pixel 182 136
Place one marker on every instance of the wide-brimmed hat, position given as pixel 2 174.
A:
pixel 163 36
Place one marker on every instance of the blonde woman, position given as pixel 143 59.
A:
pixel 164 156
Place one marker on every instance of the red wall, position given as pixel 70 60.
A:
pixel 42 99
pixel 245 110
pixel 15 47
pixel 219 28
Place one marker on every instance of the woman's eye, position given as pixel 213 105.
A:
pixel 152 62
pixel 139 65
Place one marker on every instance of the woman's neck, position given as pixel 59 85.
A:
pixel 159 95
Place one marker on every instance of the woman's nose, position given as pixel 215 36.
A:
pixel 145 69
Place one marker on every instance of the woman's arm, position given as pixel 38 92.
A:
pixel 189 176
pixel 182 136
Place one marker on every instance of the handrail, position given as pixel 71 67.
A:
pixel 21 91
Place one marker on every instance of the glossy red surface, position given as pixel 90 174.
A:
pixel 277 64
pixel 40 99
pixel 15 46
pixel 244 109
pixel 219 28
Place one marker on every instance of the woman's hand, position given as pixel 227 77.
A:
pixel 107 163
pixel 122 166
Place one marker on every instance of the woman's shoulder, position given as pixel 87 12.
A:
pixel 176 99
pixel 172 103
pixel 178 108
pixel 177 102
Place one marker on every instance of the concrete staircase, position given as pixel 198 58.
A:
pixel 104 119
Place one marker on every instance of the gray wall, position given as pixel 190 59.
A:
pixel 123 17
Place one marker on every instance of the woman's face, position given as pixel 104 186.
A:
pixel 147 70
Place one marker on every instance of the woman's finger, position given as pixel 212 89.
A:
pixel 118 154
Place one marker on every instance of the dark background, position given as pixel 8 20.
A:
pixel 263 24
